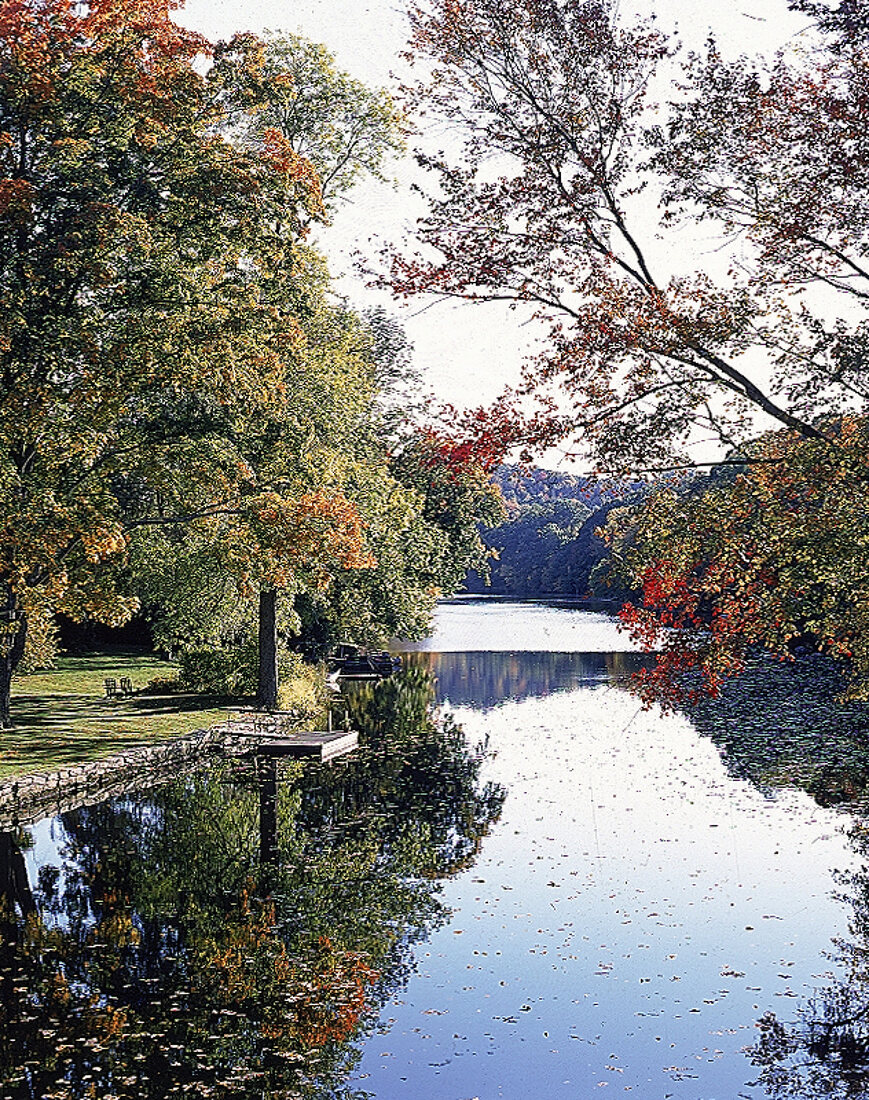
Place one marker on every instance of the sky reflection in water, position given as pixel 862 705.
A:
pixel 617 924
pixel 636 908
pixel 498 626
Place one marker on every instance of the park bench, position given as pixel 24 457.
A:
pixel 114 689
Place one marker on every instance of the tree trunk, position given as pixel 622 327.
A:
pixel 267 692
pixel 267 778
pixel 14 884
pixel 13 632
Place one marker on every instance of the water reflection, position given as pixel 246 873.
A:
pixel 157 953
pixel 780 726
pixel 636 910
pixel 824 1052
pixel 473 624
pixel 484 679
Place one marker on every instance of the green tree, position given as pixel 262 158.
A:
pixel 283 98
pixel 135 337
pixel 156 371
pixel 202 583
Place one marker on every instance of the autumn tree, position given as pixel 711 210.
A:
pixel 215 581
pixel 282 99
pixel 104 154
pixel 568 174
pixel 567 191
pixel 768 555
pixel 149 263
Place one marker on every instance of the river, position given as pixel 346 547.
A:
pixel 549 892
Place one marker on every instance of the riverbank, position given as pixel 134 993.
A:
pixel 63 717
pixel 27 798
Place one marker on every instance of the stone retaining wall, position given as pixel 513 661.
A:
pixel 28 798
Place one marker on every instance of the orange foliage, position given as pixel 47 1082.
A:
pixel 316 532
pixel 333 1010
pixel 300 174
pixel 330 985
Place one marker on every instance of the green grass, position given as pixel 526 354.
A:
pixel 63 717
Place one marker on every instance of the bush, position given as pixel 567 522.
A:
pixel 304 693
pixel 233 670
pixel 214 671
pixel 161 685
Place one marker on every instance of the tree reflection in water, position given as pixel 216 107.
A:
pixel 486 678
pixel 826 1052
pixel 159 955
pixel 776 727
pixel 779 726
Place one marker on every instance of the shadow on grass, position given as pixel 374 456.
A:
pixel 62 717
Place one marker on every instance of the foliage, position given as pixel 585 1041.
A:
pixel 345 416
pixel 146 264
pixel 288 90
pixel 525 485
pixel 229 671
pixel 177 391
pixel 769 554
pixel 232 671
pixel 529 549
pixel 549 542
pixel 422 513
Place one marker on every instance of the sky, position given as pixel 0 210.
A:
pixel 466 352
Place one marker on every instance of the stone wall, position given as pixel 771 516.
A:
pixel 26 799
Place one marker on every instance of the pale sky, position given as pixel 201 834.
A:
pixel 467 352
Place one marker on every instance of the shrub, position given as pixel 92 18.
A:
pixel 161 685
pixel 304 693
pixel 232 670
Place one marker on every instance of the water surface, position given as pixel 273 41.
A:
pixel 655 883
pixel 537 889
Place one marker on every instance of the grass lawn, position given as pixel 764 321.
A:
pixel 63 717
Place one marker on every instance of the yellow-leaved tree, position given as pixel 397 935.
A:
pixel 148 237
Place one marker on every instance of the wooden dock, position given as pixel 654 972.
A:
pixel 314 744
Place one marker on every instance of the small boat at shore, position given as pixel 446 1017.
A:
pixel 353 662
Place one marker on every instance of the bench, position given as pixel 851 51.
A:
pixel 114 689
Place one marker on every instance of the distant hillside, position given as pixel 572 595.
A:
pixel 548 545
pixel 521 486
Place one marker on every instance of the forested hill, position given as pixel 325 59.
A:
pixel 547 544
pixel 522 485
